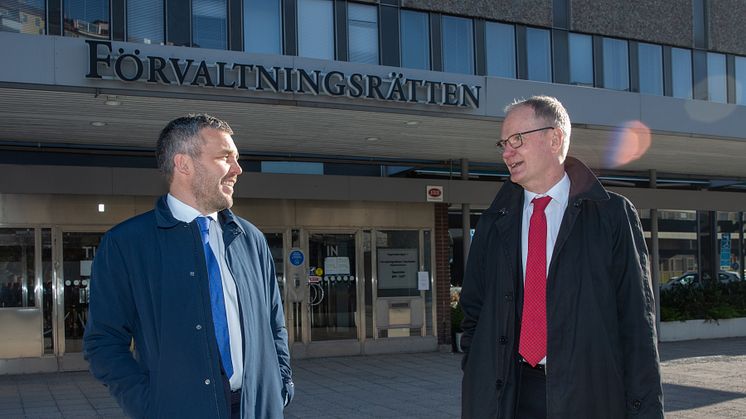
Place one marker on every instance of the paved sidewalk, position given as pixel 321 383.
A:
pixel 702 379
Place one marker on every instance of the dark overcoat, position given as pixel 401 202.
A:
pixel 602 358
pixel 149 282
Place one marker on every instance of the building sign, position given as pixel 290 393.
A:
pixel 131 66
pixel 434 193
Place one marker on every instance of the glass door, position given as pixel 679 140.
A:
pixel 332 286
pixel 78 250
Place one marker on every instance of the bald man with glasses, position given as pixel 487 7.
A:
pixel 558 307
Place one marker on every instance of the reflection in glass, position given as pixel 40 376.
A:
pixel 538 54
pixel 145 21
pixel 398 261
pixel 500 49
pixel 78 250
pixel 316 29
pixel 415 40
pixel 86 18
pixel 741 80
pixel 650 66
pixel 209 24
pixel 717 89
pixel 681 72
pixel 616 64
pixel 274 241
pixel 22 16
pixel 332 289
pixel 458 45
pixel 362 21
pixel 677 242
pixel 581 59
pixel 47 283
pixel 17 274
pixel 262 26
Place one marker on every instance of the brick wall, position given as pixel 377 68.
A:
pixel 443 274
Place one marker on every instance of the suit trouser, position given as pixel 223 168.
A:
pixel 532 393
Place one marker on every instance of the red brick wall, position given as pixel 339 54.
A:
pixel 442 274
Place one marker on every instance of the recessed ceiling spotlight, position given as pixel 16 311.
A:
pixel 101 207
pixel 371 139
pixel 98 124
pixel 112 101
pixel 412 123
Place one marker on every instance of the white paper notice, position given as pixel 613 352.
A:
pixel 423 281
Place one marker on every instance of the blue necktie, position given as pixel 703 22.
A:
pixel 217 300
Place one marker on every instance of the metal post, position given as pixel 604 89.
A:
pixel 655 253
pixel 465 214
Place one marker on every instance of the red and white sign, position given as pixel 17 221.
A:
pixel 434 193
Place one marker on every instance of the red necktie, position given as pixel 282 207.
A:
pixel 533 343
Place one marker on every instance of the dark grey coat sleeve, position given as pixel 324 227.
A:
pixel 636 313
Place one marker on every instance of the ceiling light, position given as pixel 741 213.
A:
pixel 101 208
pixel 112 101
pixel 371 139
pixel 412 123
pixel 98 124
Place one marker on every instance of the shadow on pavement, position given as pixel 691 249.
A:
pixel 678 397
pixel 696 348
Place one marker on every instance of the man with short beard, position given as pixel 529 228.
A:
pixel 193 285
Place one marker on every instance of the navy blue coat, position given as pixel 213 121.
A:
pixel 602 358
pixel 149 282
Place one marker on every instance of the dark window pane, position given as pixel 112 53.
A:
pixel 209 24
pixel 415 40
pixel 262 26
pixel 500 45
pixel 21 16
pixel 87 18
pixel 145 21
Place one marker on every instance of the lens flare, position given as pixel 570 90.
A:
pixel 628 143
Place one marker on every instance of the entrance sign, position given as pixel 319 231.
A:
pixel 434 193
pixel 296 257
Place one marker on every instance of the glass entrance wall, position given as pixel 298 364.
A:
pixel 332 286
pixel 17 274
pixel 78 250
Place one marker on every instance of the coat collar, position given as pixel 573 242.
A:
pixel 165 219
pixel 583 186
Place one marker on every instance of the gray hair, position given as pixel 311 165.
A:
pixel 181 136
pixel 550 110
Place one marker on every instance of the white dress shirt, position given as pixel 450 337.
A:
pixel 187 214
pixel 560 194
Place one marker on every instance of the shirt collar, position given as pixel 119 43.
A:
pixel 560 193
pixel 184 212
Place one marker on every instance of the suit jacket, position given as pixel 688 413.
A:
pixel 602 357
pixel 149 282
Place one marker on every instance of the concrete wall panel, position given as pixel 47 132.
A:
pixel 725 26
pixel 530 12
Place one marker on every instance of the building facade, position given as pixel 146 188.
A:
pixel 367 136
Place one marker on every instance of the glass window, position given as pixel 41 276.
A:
pixel 538 54
pixel 362 32
pixel 616 64
pixel 717 90
pixel 581 59
pixel 415 40
pixel 316 29
pixel 145 21
pixel 262 26
pixel 500 45
pixel 17 275
pixel 87 18
pixel 22 16
pixel 741 80
pixel 458 45
pixel 650 67
pixel 209 24
pixel 681 72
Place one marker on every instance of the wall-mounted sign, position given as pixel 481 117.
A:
pixel 129 65
pixel 397 268
pixel 296 257
pixel 434 193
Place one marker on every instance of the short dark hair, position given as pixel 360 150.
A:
pixel 181 136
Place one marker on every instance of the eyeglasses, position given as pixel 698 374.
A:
pixel 516 140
